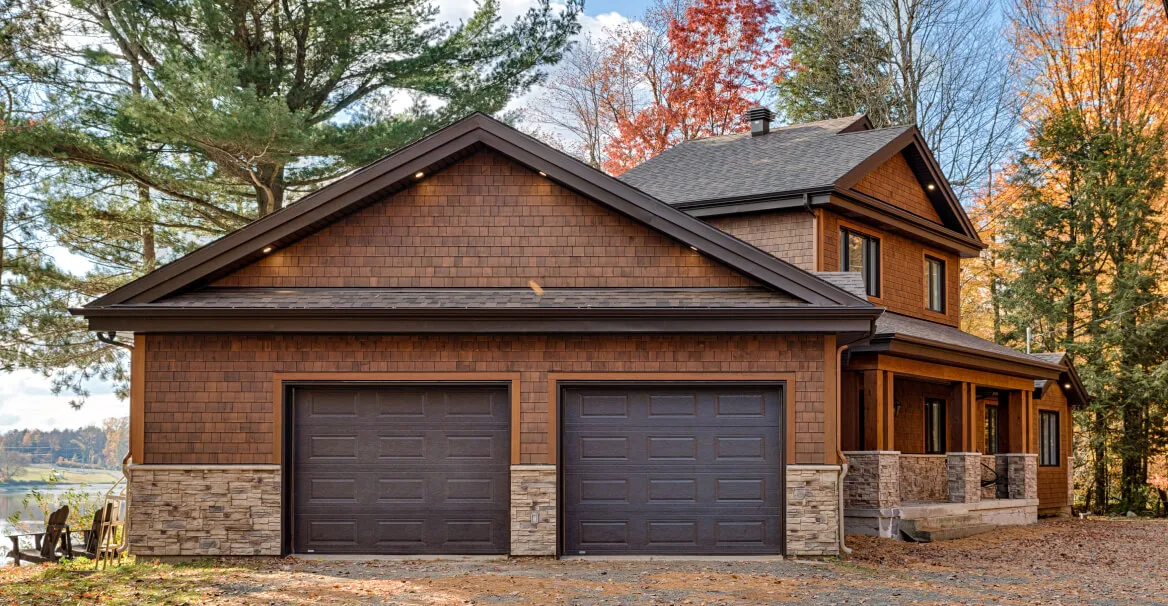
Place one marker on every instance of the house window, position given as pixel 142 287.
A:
pixel 934 426
pixel 861 253
pixel 935 270
pixel 1048 438
pixel 991 430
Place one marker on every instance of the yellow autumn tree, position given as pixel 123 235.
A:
pixel 1107 59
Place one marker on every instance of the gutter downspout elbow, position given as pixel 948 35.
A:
pixel 839 422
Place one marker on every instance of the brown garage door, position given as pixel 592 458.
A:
pixel 673 469
pixel 402 469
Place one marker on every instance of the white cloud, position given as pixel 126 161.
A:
pixel 26 401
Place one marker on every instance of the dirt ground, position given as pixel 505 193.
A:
pixel 1055 562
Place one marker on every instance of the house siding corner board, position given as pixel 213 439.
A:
pixel 902 269
pixel 1053 480
pixel 788 235
pixel 209 397
pixel 485 222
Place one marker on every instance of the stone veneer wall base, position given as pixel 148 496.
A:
pixel 184 511
pixel 533 510
pixel 813 510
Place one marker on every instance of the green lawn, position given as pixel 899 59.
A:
pixel 40 473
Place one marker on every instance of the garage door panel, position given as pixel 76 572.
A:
pixel 672 469
pixel 401 469
pixel 743 406
pixel 656 447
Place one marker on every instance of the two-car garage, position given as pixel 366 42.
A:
pixel 643 468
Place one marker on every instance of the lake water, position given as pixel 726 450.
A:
pixel 32 520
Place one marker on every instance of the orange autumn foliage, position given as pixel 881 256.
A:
pixel 687 74
pixel 1107 59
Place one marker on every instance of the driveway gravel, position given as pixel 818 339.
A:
pixel 1094 561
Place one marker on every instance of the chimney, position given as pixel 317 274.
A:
pixel 760 120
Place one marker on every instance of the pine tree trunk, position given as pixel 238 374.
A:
pixel 1100 430
pixel 1131 488
pixel 3 212
pixel 146 208
pixel 270 190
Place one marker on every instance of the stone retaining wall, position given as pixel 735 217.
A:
pixel 813 510
pixel 533 510
pixel 204 510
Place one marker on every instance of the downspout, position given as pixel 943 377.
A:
pixel 839 381
pixel 839 434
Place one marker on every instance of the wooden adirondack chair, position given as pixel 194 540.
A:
pixel 46 543
pixel 90 539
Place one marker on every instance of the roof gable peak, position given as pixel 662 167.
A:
pixel 398 170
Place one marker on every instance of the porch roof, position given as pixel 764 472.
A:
pixel 923 339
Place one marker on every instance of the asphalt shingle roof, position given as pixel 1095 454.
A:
pixel 791 158
pixel 890 324
pixel 851 281
pixel 453 298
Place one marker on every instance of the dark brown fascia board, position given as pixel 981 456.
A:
pixel 140 318
pixel 1078 390
pixel 912 138
pixel 861 123
pixel 316 208
pixel 854 202
pixel 955 355
pixel 746 204
pixel 881 212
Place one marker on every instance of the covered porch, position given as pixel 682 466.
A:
pixel 936 451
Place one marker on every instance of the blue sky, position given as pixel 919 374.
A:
pixel 26 400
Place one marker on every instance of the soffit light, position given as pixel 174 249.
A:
pixel 931 187
pixel 419 175
pixel 267 249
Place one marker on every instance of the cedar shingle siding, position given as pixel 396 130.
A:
pixel 895 183
pixel 208 398
pixel 485 221
pixel 902 270
pixel 1052 481
pixel 789 236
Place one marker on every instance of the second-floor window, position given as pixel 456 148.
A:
pixel 935 271
pixel 861 253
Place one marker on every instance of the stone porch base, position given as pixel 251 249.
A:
pixel 934 517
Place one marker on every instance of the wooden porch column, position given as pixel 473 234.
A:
pixel 879 422
pixel 1020 424
pixel 963 418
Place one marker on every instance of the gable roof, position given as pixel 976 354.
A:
pixel 793 158
pixel 1072 385
pixel 741 172
pixel 442 148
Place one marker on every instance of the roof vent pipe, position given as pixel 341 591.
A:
pixel 760 120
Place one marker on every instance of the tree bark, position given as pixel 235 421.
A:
pixel 1100 463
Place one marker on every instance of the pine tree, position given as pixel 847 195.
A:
pixel 839 65
pixel 162 125
pixel 1088 248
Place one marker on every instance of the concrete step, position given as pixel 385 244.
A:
pixel 931 530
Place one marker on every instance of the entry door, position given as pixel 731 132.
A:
pixel 666 469
pixel 405 469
